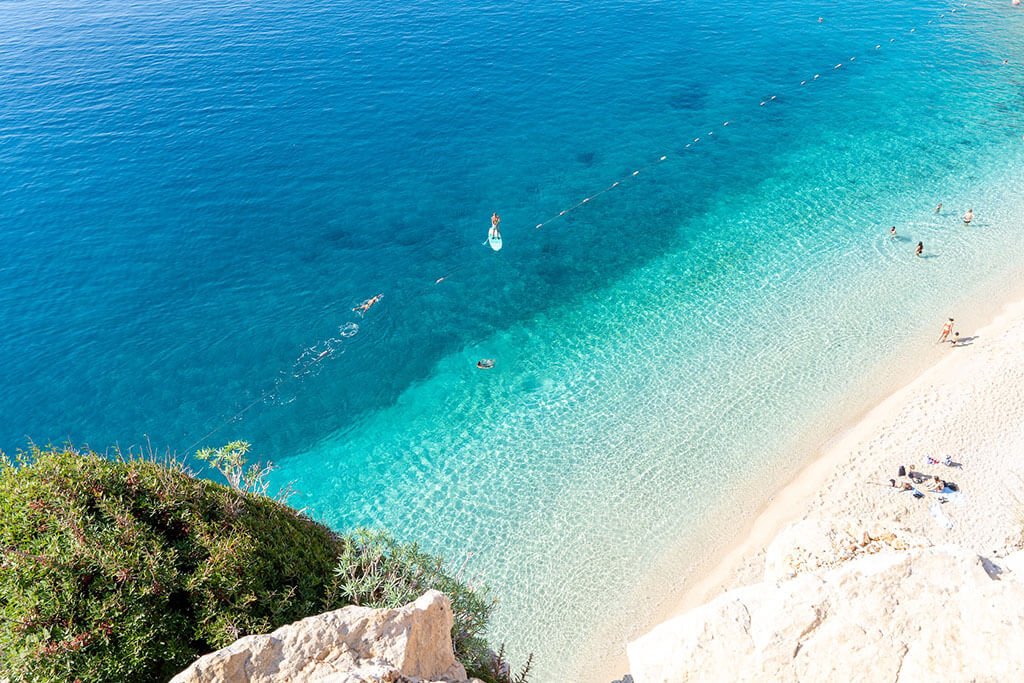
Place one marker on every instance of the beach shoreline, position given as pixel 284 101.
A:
pixel 812 488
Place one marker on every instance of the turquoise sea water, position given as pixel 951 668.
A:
pixel 194 195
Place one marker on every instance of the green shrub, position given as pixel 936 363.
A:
pixel 127 570
pixel 375 570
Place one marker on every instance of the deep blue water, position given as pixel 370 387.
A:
pixel 193 196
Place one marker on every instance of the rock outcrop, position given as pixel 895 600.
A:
pixel 861 605
pixel 349 645
pixel 815 545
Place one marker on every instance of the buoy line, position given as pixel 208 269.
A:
pixel 310 359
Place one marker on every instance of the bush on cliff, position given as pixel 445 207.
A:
pixel 127 570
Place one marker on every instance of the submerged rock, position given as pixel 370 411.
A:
pixel 890 611
pixel 349 645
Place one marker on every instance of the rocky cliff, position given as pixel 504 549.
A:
pixel 350 645
pixel 841 602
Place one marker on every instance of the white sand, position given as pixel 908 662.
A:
pixel 969 405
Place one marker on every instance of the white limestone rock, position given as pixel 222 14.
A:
pixel 814 544
pixel 924 614
pixel 349 645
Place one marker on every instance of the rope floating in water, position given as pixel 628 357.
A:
pixel 335 345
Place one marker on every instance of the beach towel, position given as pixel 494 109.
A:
pixel 936 511
pixel 949 495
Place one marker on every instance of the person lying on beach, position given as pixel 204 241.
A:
pixel 914 475
pixel 947 461
pixel 894 484
pixel 935 485
pixel 365 306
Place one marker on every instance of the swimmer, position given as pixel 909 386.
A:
pixel 820 20
pixel 892 232
pixel 968 216
pixel 920 248
pixel 938 209
pixel 485 363
pixel 365 306
pixel 946 329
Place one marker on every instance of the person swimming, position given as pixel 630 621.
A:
pixel 920 249
pixel 968 216
pixel 485 363
pixel 365 306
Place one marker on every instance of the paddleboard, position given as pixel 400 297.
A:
pixel 494 240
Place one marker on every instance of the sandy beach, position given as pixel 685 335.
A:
pixel 969 406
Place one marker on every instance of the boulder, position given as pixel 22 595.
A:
pixel 922 614
pixel 814 544
pixel 349 645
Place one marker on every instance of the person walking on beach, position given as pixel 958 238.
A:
pixel 968 216
pixel 946 329
pixel 956 338
pixel 920 248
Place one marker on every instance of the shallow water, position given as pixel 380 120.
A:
pixel 194 197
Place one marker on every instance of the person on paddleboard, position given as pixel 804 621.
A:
pixel 495 220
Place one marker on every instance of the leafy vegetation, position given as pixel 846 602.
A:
pixel 374 570
pixel 123 569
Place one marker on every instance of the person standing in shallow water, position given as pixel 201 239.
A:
pixel 968 216
pixel 946 329
pixel 938 209
pixel 920 248
pixel 892 232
